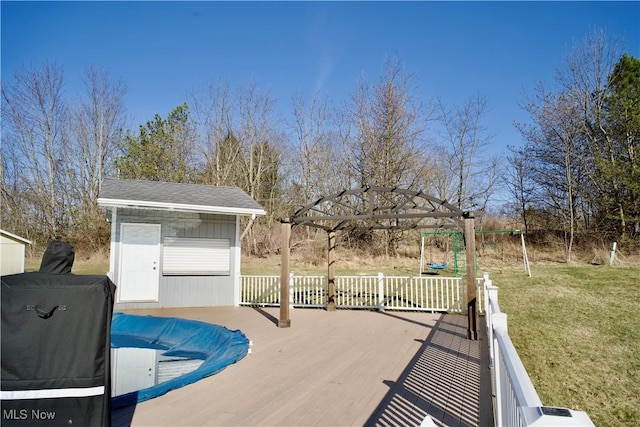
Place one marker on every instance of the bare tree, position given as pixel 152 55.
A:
pixel 518 180
pixel 242 146
pixel 384 136
pixel 385 140
pixel 14 211
pixel 553 142
pixel 240 142
pixel 260 142
pixel 35 144
pixel 465 141
pixel 98 124
pixel 589 78
pixel 315 157
pixel 583 141
pixel 214 110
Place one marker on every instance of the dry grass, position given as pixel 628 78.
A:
pixel 347 263
pixel 96 263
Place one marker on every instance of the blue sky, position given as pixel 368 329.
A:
pixel 163 50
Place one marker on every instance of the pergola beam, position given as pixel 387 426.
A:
pixel 367 216
pixel 346 227
pixel 367 208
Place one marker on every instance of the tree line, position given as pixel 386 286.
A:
pixel 578 169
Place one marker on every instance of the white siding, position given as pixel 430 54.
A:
pixel 11 256
pixel 187 290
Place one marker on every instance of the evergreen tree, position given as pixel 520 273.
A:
pixel 163 150
pixel 622 117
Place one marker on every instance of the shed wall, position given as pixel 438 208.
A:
pixel 11 256
pixel 184 291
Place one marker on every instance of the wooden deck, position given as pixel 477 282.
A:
pixel 342 368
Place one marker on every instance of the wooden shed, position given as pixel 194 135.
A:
pixel 175 245
pixel 12 253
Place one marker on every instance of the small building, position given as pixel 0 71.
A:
pixel 12 253
pixel 175 245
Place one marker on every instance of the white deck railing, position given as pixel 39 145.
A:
pixel 367 292
pixel 516 402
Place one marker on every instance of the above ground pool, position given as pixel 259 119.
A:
pixel 187 350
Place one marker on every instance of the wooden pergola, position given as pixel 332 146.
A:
pixel 377 208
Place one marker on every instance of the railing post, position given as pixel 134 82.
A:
pixel 497 383
pixel 490 294
pixel 380 291
pixel 499 321
pixel 291 286
pixel 486 283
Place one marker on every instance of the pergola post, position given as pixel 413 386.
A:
pixel 285 320
pixel 472 304
pixel 331 272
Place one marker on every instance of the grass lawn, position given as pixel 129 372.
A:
pixel 577 331
pixel 345 266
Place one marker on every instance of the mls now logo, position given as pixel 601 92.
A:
pixel 23 414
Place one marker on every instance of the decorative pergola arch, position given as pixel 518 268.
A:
pixel 376 208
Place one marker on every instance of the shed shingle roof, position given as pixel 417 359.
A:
pixel 168 195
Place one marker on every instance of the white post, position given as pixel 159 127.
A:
pixel 525 259
pixel 421 253
pixel 380 291
pixel 291 275
pixel 497 384
pixel 491 294
pixel 486 284
pixel 113 248
pixel 237 261
pixel 612 257
pixel 498 321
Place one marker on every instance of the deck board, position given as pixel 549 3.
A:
pixel 342 368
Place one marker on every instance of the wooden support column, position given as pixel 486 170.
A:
pixel 284 321
pixel 472 302
pixel 331 272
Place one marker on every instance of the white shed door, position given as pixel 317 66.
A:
pixel 132 369
pixel 139 262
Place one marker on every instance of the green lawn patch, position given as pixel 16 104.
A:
pixel 577 331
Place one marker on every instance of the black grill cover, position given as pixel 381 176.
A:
pixel 55 352
pixel 58 258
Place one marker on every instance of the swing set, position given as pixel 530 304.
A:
pixel 459 253
pixel 432 264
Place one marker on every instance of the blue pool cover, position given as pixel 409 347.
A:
pixel 215 344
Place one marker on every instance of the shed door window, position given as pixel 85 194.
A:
pixel 194 256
